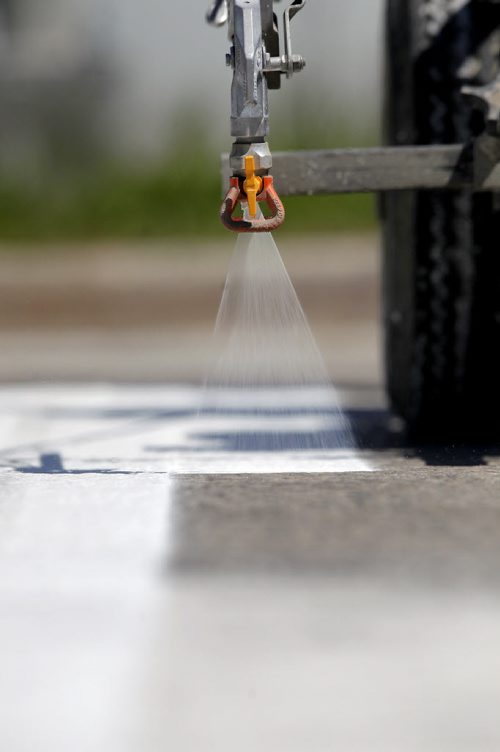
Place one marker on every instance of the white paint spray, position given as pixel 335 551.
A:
pixel 268 390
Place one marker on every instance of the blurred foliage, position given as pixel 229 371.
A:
pixel 178 197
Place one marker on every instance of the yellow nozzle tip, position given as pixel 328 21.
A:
pixel 252 203
pixel 249 166
pixel 252 185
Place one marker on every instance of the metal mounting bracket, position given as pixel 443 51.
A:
pixel 287 63
pixel 473 167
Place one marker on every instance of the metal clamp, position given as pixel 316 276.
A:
pixel 486 148
pixel 287 63
pixel 487 99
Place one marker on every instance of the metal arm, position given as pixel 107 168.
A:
pixel 249 93
pixel 257 66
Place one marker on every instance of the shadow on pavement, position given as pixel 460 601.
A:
pixel 52 464
pixel 378 430
pixel 373 430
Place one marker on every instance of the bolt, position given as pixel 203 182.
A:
pixel 298 63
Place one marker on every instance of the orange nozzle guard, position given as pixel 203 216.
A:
pixel 268 195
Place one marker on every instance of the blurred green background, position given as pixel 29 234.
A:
pixel 178 196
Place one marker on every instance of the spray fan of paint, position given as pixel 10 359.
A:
pixel 268 389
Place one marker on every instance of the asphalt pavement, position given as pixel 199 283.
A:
pixel 164 586
pixel 160 590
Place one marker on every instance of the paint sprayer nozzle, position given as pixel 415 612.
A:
pixel 252 190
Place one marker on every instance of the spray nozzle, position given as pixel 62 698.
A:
pixel 255 221
pixel 252 186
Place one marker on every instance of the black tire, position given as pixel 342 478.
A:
pixel 441 249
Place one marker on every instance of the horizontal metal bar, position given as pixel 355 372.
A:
pixel 307 173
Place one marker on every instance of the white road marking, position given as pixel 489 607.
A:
pixel 80 569
pixel 102 429
pixel 102 649
pixel 307 665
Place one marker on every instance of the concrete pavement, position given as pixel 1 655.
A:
pixel 167 582
pixel 153 597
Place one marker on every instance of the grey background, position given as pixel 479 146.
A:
pixel 158 57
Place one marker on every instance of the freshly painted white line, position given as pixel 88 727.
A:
pixel 103 648
pixel 302 665
pixel 82 430
pixel 81 559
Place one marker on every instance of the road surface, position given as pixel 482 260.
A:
pixel 162 591
pixel 167 582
